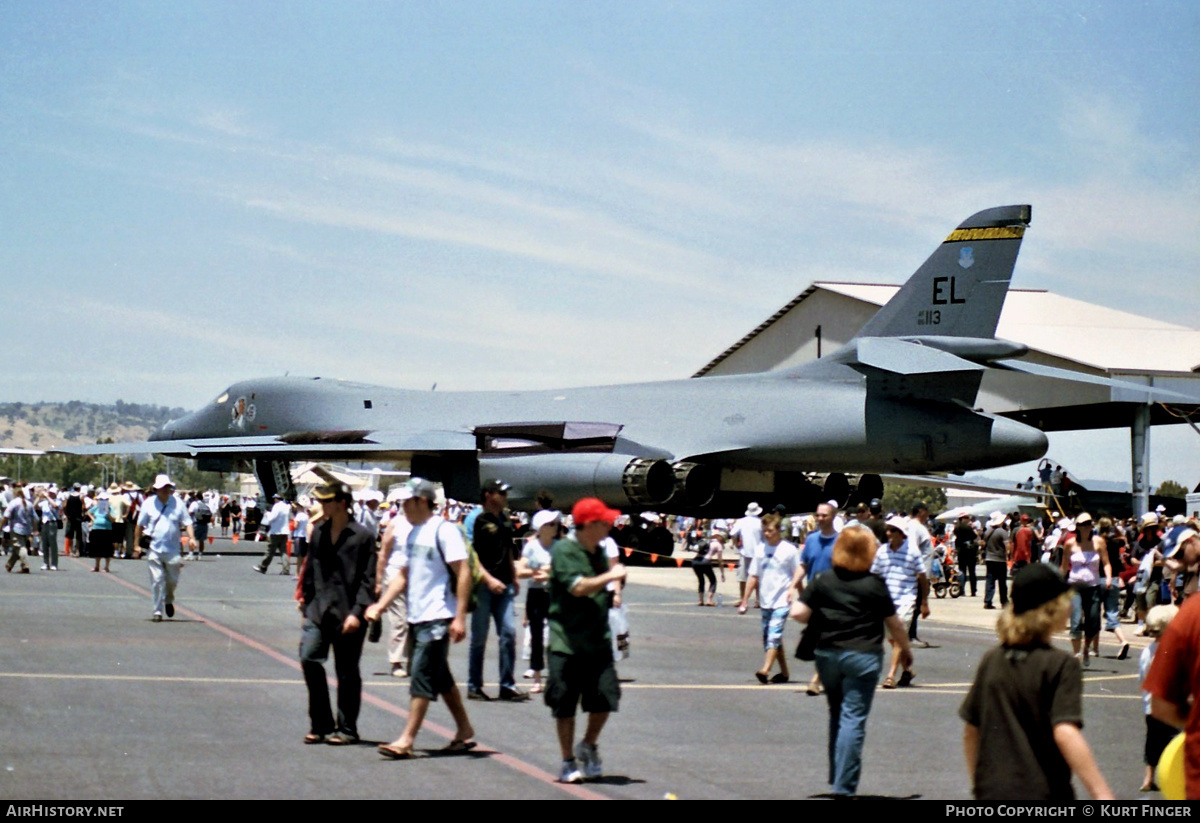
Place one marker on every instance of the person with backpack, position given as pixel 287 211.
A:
pixel 433 568
pixel 202 517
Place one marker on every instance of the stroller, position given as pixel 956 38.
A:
pixel 945 578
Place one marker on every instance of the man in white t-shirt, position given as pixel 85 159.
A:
pixel 275 524
pixel 774 574
pixel 748 535
pixel 434 571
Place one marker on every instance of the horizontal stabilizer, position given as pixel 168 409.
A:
pixel 1129 392
pixel 897 369
pixel 900 357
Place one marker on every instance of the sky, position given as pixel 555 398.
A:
pixel 531 194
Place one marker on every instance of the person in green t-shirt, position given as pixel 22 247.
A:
pixel 581 662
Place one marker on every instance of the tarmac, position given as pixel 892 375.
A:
pixel 100 703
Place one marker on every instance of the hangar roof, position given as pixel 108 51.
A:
pixel 1086 333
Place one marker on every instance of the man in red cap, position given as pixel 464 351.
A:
pixel 581 661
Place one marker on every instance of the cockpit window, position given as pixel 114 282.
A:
pixel 222 398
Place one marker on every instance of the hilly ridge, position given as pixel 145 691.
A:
pixel 47 425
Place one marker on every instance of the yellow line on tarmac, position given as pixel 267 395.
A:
pixel 1085 680
pixel 139 678
pixel 938 689
pixel 41 595
pixel 928 688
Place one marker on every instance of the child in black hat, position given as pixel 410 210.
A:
pixel 1024 713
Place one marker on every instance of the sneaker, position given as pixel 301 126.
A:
pixel 477 694
pixel 170 610
pixel 589 756
pixel 570 773
pixel 45 568
pixel 528 674
pixel 259 569
pixel 54 568
pixel 514 695
pixel 157 617
pixel 398 670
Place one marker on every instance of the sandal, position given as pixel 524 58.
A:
pixel 889 683
pixel 459 745
pixel 393 753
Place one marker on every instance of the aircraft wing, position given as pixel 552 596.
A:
pixel 537 437
pixel 28 452
pixel 345 445
pixel 951 483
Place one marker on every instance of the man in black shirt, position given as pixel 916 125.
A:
pixel 494 594
pixel 337 586
pixel 967 548
pixel 73 512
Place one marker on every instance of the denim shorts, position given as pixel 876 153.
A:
pixel 428 665
pixel 773 621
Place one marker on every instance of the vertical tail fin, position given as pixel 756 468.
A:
pixel 959 291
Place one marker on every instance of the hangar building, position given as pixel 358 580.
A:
pixel 1061 332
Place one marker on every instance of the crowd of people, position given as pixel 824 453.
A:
pixel 434 569
pixel 853 578
pixel 857 576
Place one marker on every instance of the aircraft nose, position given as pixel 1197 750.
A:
pixel 1017 442
pixel 179 427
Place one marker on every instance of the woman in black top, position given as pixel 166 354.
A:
pixel 851 607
